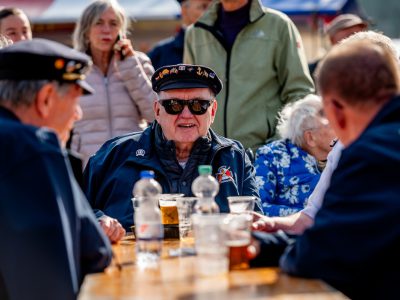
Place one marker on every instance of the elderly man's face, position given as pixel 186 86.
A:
pixel 185 127
pixel 65 111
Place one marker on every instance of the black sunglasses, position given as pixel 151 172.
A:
pixel 176 106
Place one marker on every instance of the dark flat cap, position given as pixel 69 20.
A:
pixel 344 21
pixel 41 59
pixel 185 77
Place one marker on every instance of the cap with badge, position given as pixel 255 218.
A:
pixel 41 59
pixel 183 76
pixel 344 21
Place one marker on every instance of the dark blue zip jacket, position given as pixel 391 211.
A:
pixel 112 172
pixel 168 51
pixel 50 237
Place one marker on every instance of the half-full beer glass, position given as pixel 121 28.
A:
pixel 169 211
pixel 238 238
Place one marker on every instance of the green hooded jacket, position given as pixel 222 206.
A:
pixel 265 69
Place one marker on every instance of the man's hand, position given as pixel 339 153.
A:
pixel 263 223
pixel 112 228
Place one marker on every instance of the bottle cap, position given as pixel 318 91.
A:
pixel 147 174
pixel 205 169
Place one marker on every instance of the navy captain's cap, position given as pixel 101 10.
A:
pixel 41 59
pixel 183 76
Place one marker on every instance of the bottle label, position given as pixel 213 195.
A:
pixel 149 231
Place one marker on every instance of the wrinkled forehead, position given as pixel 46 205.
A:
pixel 191 93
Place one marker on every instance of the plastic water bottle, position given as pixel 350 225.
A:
pixel 148 228
pixel 205 187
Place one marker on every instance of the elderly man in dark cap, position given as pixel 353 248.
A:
pixel 51 239
pixel 173 146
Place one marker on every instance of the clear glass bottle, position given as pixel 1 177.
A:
pixel 205 187
pixel 148 228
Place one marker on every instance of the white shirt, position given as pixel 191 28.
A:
pixel 317 196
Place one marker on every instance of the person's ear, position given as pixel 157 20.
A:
pixel 339 114
pixel 309 138
pixel 156 108
pixel 44 101
pixel 214 110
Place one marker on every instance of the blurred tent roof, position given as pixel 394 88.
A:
pixel 307 7
pixel 65 11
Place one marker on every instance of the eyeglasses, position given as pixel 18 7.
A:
pixel 176 106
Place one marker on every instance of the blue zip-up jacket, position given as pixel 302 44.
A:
pixel 50 237
pixel 168 51
pixel 112 172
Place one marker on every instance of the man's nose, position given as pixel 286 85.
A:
pixel 78 113
pixel 186 112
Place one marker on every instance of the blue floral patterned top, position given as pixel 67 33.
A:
pixel 286 176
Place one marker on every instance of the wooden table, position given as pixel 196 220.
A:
pixel 177 279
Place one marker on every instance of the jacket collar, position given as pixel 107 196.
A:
pixel 389 112
pixel 144 153
pixel 210 16
pixel 8 114
pixel 219 142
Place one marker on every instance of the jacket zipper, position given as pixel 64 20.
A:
pixel 105 79
pixel 218 35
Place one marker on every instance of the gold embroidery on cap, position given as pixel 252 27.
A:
pixel 73 76
pixel 59 64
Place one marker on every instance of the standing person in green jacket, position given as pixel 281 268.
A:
pixel 259 55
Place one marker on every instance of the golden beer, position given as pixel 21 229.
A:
pixel 238 257
pixel 169 214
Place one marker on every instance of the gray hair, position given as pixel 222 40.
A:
pixel 376 38
pixel 90 16
pixel 23 93
pixel 297 117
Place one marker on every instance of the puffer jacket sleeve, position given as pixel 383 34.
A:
pixel 136 72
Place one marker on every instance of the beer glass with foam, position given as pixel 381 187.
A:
pixel 238 238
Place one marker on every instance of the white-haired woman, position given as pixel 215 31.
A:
pixel 287 169
pixel 123 96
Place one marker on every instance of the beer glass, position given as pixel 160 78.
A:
pixel 238 238
pixel 169 211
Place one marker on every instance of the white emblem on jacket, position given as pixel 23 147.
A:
pixel 140 152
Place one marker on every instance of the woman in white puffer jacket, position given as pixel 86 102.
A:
pixel 123 96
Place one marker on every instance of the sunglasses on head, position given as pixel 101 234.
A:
pixel 176 106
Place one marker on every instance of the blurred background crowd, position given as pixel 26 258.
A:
pixel 154 20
